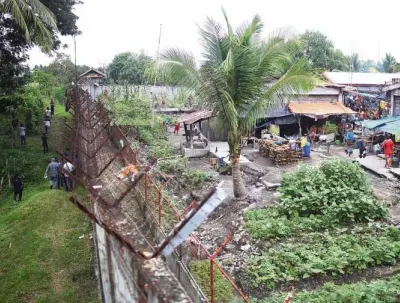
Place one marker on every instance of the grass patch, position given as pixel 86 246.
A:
pixel 201 271
pixel 43 259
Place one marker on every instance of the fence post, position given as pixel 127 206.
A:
pixel 212 280
pixel 159 208
pixel 145 187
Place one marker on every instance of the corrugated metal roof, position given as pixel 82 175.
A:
pixel 195 117
pixel 366 79
pixel 371 124
pixel 100 74
pixel 319 109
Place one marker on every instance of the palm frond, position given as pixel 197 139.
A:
pixel 180 67
pixel 248 32
pixel 11 7
pixel 215 47
pixel 296 81
pixel 34 19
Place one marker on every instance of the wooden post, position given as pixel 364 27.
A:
pixel 191 136
pixel 186 132
pixel 298 120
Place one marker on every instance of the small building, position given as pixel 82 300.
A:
pixel 93 82
pixel 323 93
pixel 391 94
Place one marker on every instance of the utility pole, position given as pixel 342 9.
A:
pixel 155 78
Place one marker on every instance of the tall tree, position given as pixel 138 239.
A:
pixel 388 64
pixel 354 62
pixel 129 68
pixel 63 69
pixel 14 42
pixel 321 53
pixel 240 77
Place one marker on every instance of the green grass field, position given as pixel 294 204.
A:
pixel 42 257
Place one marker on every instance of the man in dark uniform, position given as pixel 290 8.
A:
pixel 44 143
pixel 18 188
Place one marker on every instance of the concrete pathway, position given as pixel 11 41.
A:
pixel 375 165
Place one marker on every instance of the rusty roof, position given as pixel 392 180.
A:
pixel 196 117
pixel 319 109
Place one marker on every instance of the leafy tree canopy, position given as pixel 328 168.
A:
pixel 20 18
pixel 389 64
pixel 129 68
pixel 63 69
pixel 321 53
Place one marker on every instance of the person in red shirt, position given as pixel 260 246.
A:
pixel 388 147
pixel 176 129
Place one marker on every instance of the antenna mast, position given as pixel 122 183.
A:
pixel 155 78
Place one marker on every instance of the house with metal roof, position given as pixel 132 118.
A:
pixel 363 82
pixel 93 81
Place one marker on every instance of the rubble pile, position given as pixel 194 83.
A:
pixel 280 154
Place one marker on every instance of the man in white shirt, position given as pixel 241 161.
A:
pixel 47 125
pixel 69 172
pixel 22 134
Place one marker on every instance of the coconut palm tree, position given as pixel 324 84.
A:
pixel 35 20
pixel 241 76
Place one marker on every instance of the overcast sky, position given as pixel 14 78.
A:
pixel 369 27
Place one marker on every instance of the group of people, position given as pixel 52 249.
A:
pixel 61 174
pixel 47 122
pixel 47 116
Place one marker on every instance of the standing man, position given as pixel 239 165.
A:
pixel 52 104
pixel 52 168
pixel 68 171
pixel 22 134
pixel 388 147
pixel 361 148
pixel 46 124
pixel 18 188
pixel 44 143
pixel 60 176
pixel 47 112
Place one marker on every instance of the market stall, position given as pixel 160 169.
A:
pixel 318 113
pixel 368 107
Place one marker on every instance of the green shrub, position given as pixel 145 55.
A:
pixel 382 291
pixel 330 128
pixel 326 254
pixel 201 271
pixel 339 190
pixel 269 223
pixel 175 165
pixel 194 177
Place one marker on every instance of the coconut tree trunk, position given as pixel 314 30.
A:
pixel 239 190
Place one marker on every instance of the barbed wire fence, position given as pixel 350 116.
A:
pixel 133 220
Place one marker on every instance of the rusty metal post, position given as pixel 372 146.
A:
pixel 159 207
pixel 212 280
pixel 146 184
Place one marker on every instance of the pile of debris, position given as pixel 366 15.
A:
pixel 281 154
